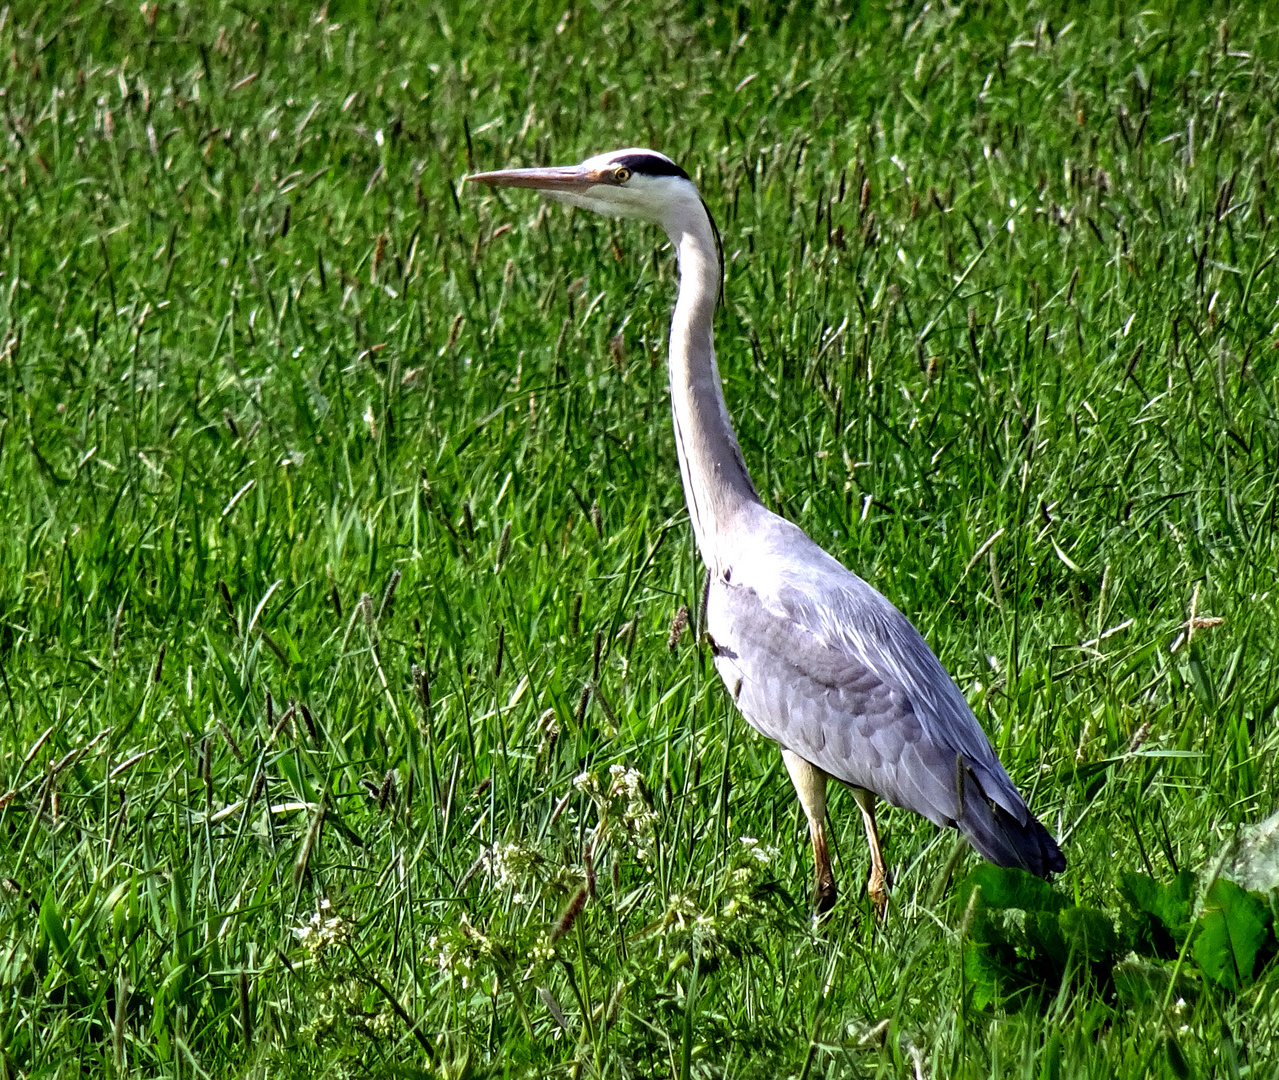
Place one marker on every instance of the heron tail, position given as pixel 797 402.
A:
pixel 1003 840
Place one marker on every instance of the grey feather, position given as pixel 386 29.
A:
pixel 825 665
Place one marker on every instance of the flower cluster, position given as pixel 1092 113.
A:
pixel 512 866
pixel 457 955
pixel 338 1003
pixel 626 816
pixel 322 930
pixel 761 853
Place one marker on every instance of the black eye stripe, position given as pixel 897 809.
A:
pixel 649 165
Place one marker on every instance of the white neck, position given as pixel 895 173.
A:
pixel 717 485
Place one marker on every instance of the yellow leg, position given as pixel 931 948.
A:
pixel 877 886
pixel 810 786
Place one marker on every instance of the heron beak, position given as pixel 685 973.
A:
pixel 564 178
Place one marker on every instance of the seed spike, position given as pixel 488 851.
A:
pixel 310 724
pixel 308 845
pixel 388 790
pixel 115 629
pixel 230 740
pixel 565 922
pixel 503 546
pixel 575 615
pixel 388 596
pixel 677 627
pixel 246 1011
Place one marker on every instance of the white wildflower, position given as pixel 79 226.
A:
pixel 513 866
pixel 384 1024
pixel 763 853
pixel 322 930
pixel 638 816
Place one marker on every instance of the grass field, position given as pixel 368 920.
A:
pixel 344 729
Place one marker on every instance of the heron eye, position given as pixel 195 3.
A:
pixel 621 174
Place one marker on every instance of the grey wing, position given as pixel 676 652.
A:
pixel 829 705
pixel 839 676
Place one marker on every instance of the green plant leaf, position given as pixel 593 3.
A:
pixel 1009 888
pixel 1171 904
pixel 1089 933
pixel 56 932
pixel 1233 928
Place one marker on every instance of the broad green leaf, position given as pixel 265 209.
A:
pixel 1170 904
pixel 1202 682
pixel 1233 928
pixel 1089 933
pixel 1009 888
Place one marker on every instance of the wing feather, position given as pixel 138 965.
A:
pixel 821 662
pixel 828 667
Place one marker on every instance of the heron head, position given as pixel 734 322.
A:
pixel 630 183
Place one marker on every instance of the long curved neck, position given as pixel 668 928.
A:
pixel 717 485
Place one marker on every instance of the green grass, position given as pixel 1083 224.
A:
pixel 286 411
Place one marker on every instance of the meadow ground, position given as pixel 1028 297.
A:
pixel 345 730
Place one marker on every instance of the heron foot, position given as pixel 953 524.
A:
pixel 877 890
pixel 877 886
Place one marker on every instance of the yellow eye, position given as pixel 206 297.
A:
pixel 621 174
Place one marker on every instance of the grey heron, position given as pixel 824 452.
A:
pixel 814 657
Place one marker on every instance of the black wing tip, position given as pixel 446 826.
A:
pixel 1003 840
pixel 1055 863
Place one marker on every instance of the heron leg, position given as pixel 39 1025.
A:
pixel 877 886
pixel 810 786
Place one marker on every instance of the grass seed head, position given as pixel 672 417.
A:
pixel 503 546
pixel 388 597
pixel 246 1010
pixel 678 625
pixel 286 720
pixel 569 916
pixel 575 615
pixel 230 741
pixel 115 628
pixel 1139 737
pixel 310 723
pixel 422 688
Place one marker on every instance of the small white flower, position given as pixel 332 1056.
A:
pixel 760 853
pixel 319 932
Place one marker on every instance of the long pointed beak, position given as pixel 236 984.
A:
pixel 557 178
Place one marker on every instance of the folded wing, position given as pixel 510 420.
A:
pixel 821 662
